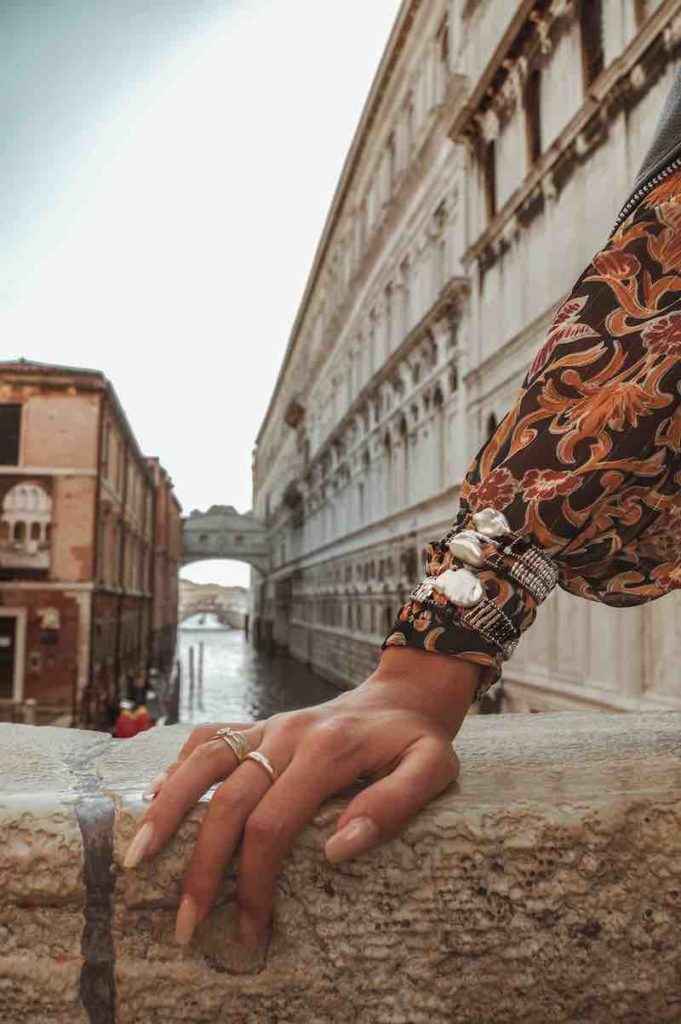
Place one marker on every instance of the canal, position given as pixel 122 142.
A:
pixel 239 683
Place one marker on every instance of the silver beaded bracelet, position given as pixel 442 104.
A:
pixel 532 568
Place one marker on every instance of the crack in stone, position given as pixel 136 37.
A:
pixel 95 815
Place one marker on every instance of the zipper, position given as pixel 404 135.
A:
pixel 644 190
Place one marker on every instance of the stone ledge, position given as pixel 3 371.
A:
pixel 546 883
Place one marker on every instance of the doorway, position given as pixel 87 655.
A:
pixel 12 639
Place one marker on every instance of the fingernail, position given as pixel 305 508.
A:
pixel 358 835
pixel 151 791
pixel 185 923
pixel 139 846
pixel 254 938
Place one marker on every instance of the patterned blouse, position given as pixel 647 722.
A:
pixel 580 485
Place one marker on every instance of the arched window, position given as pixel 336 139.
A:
pixel 35 531
pixel 25 503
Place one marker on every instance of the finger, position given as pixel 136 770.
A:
pixel 197 736
pixel 285 809
pixel 220 831
pixel 210 762
pixel 427 768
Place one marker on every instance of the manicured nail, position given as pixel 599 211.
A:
pixel 185 923
pixel 358 835
pixel 139 846
pixel 152 790
pixel 252 937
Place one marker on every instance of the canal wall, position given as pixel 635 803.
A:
pixel 544 885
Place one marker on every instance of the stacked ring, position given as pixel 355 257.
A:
pixel 264 762
pixel 236 741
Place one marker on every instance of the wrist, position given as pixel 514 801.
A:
pixel 441 686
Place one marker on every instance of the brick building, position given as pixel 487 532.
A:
pixel 166 561
pixel 89 542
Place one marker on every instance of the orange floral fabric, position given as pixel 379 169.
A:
pixel 586 464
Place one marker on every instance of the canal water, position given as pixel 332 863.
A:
pixel 239 683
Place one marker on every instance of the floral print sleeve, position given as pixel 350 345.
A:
pixel 580 485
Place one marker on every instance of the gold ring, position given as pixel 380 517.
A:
pixel 236 741
pixel 256 755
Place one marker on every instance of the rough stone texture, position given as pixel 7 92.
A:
pixel 42 891
pixel 546 884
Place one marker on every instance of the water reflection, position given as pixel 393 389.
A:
pixel 240 684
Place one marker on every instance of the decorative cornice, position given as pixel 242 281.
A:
pixel 621 84
pixel 449 302
pixel 467 120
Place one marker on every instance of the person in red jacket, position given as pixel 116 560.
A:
pixel 126 723
pixel 131 720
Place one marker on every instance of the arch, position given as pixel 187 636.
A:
pixel 25 522
pixel 222 532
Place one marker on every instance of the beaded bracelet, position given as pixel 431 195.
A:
pixel 531 567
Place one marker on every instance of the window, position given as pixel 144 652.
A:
pixel 533 116
pixel 10 421
pixel 392 165
pixel 591 28
pixel 489 171
pixel 491 425
pixel 409 126
pixel 443 42
pixel 105 449
pixel 443 54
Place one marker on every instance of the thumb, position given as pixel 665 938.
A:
pixel 380 810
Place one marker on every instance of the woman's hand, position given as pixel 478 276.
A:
pixel 395 730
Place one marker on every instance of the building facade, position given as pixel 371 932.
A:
pixel 497 145
pixel 165 568
pixel 80 507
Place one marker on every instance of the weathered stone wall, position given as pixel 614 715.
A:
pixel 546 884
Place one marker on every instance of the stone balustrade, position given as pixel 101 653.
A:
pixel 545 885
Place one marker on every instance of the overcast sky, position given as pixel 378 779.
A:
pixel 166 169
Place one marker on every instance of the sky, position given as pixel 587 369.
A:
pixel 166 169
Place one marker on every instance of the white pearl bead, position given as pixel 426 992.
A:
pixel 466 547
pixel 491 522
pixel 460 586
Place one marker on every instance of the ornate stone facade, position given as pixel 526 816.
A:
pixel 496 147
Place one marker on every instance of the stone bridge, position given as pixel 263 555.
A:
pixel 544 885
pixel 222 532
pixel 228 604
